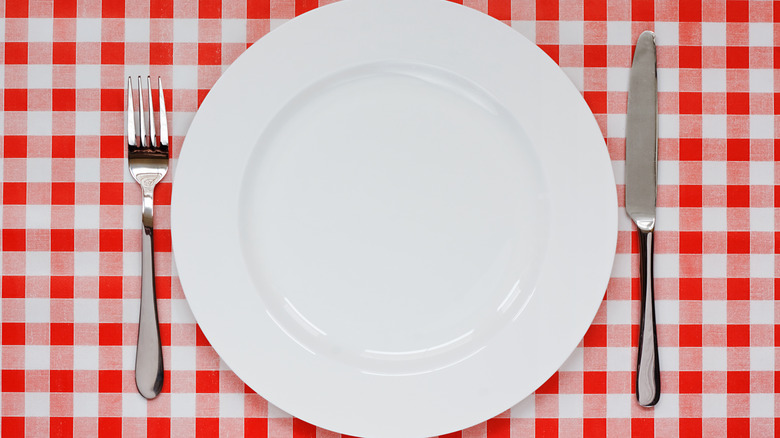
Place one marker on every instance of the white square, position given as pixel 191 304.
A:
pixel 525 409
pixel 137 30
pixel 131 262
pixel 621 267
pixel 86 310
pixel 762 265
pixel 713 265
pixel 86 263
pixel 86 217
pixel 668 406
pixel 617 78
pixel 575 362
pixel 275 412
pixel 37 310
pixel 619 359
pixel 762 173
pixel 88 30
pixel 616 125
pixel 762 311
pixel 231 404
pixel 762 126
pixel 714 358
pixel 570 405
pixel 36 404
pixel 761 34
pixel 180 121
pixel 667 218
pixel 762 405
pixel 668 126
pixel 668 80
pixel 761 80
pixel 713 126
pixel 39 122
pixel 38 263
pixel 38 216
pixel 85 404
pixel 713 80
pixel 181 313
pixel 666 33
pixel 714 312
pixel 38 170
pixel 667 311
pixel 570 33
pixel 667 265
pixel 133 405
pixel 185 30
pixel 762 358
pixel 39 76
pixel 618 33
pixel 526 29
pixel 669 358
pixel 40 30
pixel 713 405
pixel 87 76
pixel 36 357
pixel 713 173
pixel 184 77
pixel 576 75
pixel 128 355
pixel 713 219
pixel 713 34
pixel 182 405
pixel 87 170
pixel 131 219
pixel 85 357
pixel 761 219
pixel 668 172
pixel 87 123
pixel 618 312
pixel 234 30
pixel 183 358
pixel 131 307
pixel 619 405
pixel 276 22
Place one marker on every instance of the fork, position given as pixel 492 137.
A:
pixel 148 162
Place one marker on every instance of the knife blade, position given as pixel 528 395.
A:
pixel 641 171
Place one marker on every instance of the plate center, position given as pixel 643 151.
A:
pixel 394 217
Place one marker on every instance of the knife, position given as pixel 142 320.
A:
pixel 641 159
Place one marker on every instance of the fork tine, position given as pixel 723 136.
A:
pixel 132 140
pixel 141 115
pixel 152 130
pixel 163 115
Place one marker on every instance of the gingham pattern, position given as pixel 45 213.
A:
pixel 71 219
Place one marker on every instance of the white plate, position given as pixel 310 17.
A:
pixel 394 217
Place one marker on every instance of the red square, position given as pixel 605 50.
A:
pixel 114 9
pixel 690 149
pixel 14 239
pixel 112 99
pixel 110 381
pixel 496 428
pixel 737 11
pixel 13 333
pixel 17 9
pixel 64 53
pixel 65 9
pixel 303 429
pixel 61 380
pixel 202 95
pixel 63 146
pixel 111 193
pixel 15 146
pixel 737 57
pixel 161 8
pixel 690 242
pixel 61 427
pixel 61 240
pixel 161 54
pixel 690 56
pixel 738 427
pixel 63 99
pixel 550 386
pixel 13 286
pixel 13 380
pixel 498 9
pixel 162 240
pixel 158 427
pixel 690 335
pixel 738 382
pixel 738 103
pixel 546 427
pixel 642 10
pixel 593 427
pixel 112 53
pixel 200 338
pixel 62 333
pixel 690 288
pixel 110 287
pixel 256 427
pixel 547 10
pixel 112 146
pixel 594 382
pixel 207 381
pixel 109 427
pixel 642 427
pixel 776 51
pixel 162 193
pixel 738 242
pixel 111 240
pixel 595 10
pixel 738 335
pixel 15 99
pixel 206 427
pixel 258 9
pixel 597 101
pixel 690 196
pixel 14 193
pixel 690 428
pixel 738 288
pixel 12 426
pixel 738 196
pixel 209 54
pixel 61 287
pixel 110 333
pixel 15 53
pixel 690 103
pixel 163 287
pixel 63 193
pixel 210 8
pixel 596 336
pixel 737 149
pixel 690 11
pixel 595 56
pixel 690 382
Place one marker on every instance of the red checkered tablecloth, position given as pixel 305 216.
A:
pixel 71 237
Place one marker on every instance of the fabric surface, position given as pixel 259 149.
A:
pixel 71 236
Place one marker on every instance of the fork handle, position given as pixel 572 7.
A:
pixel 148 358
pixel 648 374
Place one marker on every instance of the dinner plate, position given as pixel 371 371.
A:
pixel 394 217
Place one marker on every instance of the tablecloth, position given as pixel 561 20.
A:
pixel 71 237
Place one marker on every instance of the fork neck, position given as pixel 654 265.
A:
pixel 147 205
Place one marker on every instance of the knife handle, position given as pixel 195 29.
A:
pixel 648 374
